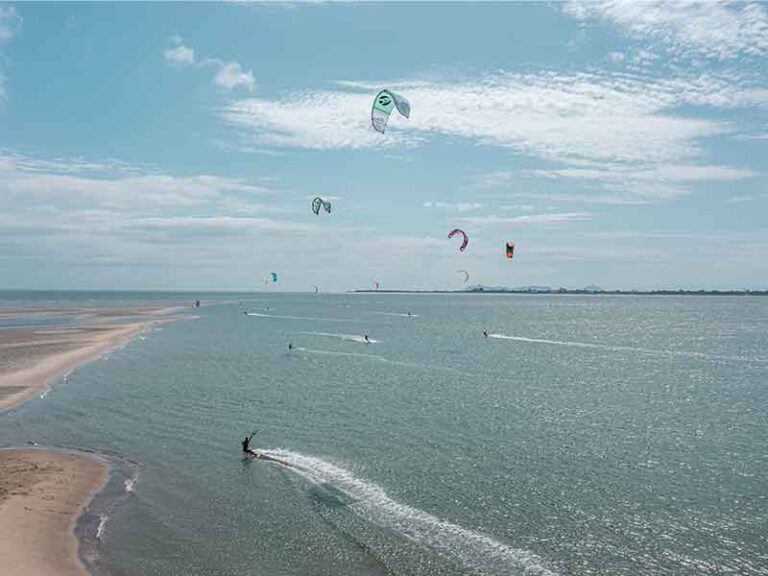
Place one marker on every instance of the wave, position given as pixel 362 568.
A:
pixel 286 317
pixel 360 339
pixel 371 502
pixel 610 348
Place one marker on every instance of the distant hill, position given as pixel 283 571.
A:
pixel 591 289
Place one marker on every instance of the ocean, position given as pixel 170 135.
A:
pixel 585 435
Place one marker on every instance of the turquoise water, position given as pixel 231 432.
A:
pixel 585 435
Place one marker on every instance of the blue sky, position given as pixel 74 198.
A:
pixel 179 146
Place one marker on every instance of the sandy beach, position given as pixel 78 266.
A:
pixel 43 492
pixel 30 359
pixel 41 496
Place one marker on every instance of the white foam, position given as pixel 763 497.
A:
pixel 628 349
pixel 360 339
pixel 371 502
pixel 102 526
pixel 396 314
pixel 286 317
pixel 129 484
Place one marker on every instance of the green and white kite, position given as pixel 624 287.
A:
pixel 383 105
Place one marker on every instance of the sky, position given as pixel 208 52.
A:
pixel 178 146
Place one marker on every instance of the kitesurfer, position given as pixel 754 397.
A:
pixel 366 339
pixel 290 346
pixel 485 334
pixel 246 444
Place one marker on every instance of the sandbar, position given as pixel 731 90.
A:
pixel 42 493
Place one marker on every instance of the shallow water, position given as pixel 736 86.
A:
pixel 585 435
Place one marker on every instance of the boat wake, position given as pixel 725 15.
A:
pixel 610 348
pixel 369 501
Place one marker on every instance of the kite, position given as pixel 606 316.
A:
pixel 274 276
pixel 318 203
pixel 466 275
pixel 383 105
pixel 317 288
pixel 376 285
pixel 459 231
pixel 510 249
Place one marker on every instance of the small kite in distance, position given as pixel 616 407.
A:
pixel 510 249
pixel 455 231
pixel 318 203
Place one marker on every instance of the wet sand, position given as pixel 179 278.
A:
pixel 42 494
pixel 33 357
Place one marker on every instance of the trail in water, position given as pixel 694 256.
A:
pixel 369 501
pixel 610 348
pixel 359 338
pixel 286 317
pixel 377 358
pixel 396 314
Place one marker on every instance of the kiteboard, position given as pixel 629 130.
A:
pixel 262 456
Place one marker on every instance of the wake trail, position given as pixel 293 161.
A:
pixel 610 348
pixel 371 502
pixel 360 339
pixel 396 314
pixel 285 317
pixel 376 358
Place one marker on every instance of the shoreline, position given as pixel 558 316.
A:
pixel 68 348
pixel 43 493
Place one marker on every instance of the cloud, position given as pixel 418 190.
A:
pixel 10 23
pixel 556 117
pixel 230 75
pixel 178 53
pixel 527 219
pixel 740 199
pixel 616 57
pixel 716 29
pixel 315 120
pixel 227 75
pixel 648 182
pixel 457 206
pixel 621 129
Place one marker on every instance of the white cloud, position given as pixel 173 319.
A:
pixel 622 126
pixel 10 23
pixel 231 75
pixel 178 53
pixel 649 182
pixel 317 120
pixel 35 184
pixel 740 199
pixel 527 219
pixel 714 29
pixel 227 75
pixel 589 116
pixel 616 57
pixel 457 206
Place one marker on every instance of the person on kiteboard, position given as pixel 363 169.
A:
pixel 246 443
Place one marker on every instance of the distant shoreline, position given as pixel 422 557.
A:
pixel 557 291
